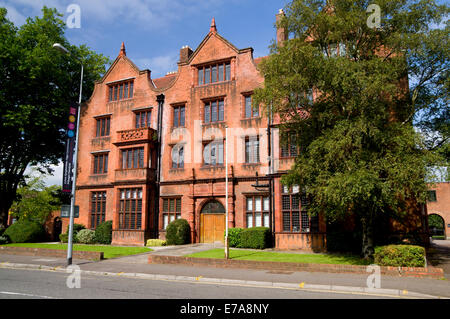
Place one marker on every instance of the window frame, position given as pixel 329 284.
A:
pixel 133 158
pixel 219 160
pixel 179 109
pixel 220 110
pixel 253 211
pixel 180 164
pixel 252 108
pixel 136 213
pixel 103 126
pixel 289 149
pixel 167 211
pixel 205 73
pixel 96 161
pixel 97 216
pixel 252 149
pixel 117 91
pixel 147 119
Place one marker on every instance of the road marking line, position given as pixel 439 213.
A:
pixel 21 294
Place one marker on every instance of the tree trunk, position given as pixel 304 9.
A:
pixel 4 209
pixel 367 237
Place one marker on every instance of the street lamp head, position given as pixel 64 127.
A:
pixel 59 47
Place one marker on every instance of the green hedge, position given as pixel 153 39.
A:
pixel 400 256
pixel 103 233
pixel 256 238
pixel 25 232
pixel 234 236
pixel 178 232
pixel 155 242
pixel 86 236
pixel 64 238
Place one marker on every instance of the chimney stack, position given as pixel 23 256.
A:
pixel 185 53
pixel 281 32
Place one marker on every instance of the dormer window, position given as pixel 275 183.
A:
pixel 215 72
pixel 121 91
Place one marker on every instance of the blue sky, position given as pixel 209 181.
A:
pixel 155 30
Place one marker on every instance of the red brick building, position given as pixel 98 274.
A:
pixel 124 176
pixel 439 204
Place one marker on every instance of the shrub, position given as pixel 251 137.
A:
pixel 64 238
pixel 156 242
pixel 255 237
pixel 178 232
pixel 234 238
pixel 25 232
pixel 103 233
pixel 3 240
pixel 76 229
pixel 400 256
pixel 86 236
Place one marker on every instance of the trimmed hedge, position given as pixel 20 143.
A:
pixel 103 233
pixel 400 256
pixel 4 240
pixel 234 236
pixel 178 232
pixel 255 237
pixel 25 232
pixel 156 242
pixel 86 236
pixel 64 238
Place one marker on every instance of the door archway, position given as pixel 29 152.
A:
pixel 212 222
pixel 436 225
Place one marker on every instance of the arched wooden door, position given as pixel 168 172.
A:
pixel 212 222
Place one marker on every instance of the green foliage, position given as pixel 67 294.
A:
pixel 25 231
pixel 178 232
pixel 38 85
pixel 256 238
pixel 103 233
pixel 76 228
pixel 400 256
pixel 35 201
pixel 234 236
pixel 435 221
pixel 4 240
pixel 86 236
pixel 359 152
pixel 64 238
pixel 156 242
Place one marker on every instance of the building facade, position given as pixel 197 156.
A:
pixel 439 204
pixel 154 150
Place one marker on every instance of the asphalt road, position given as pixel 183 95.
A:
pixel 38 284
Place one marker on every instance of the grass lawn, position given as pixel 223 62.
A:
pixel 108 251
pixel 282 257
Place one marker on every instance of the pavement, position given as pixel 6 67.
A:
pixel 137 266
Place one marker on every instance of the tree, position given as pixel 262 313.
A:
pixel 37 86
pixel 35 201
pixel 359 156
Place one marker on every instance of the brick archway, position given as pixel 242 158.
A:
pixel 437 231
pixel 212 221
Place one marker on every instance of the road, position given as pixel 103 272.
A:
pixel 39 284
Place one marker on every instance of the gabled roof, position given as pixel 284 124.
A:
pixel 122 55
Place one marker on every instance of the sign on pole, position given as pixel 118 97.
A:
pixel 70 150
pixel 65 211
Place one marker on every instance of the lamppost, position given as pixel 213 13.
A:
pixel 227 248
pixel 62 49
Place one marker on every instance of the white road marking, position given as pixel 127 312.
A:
pixel 22 294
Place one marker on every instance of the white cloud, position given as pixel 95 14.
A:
pixel 13 15
pixel 145 14
pixel 159 65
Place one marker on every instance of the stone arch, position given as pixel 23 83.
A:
pixel 212 220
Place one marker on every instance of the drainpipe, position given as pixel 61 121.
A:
pixel 160 100
pixel 271 199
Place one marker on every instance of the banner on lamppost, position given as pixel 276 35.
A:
pixel 70 150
